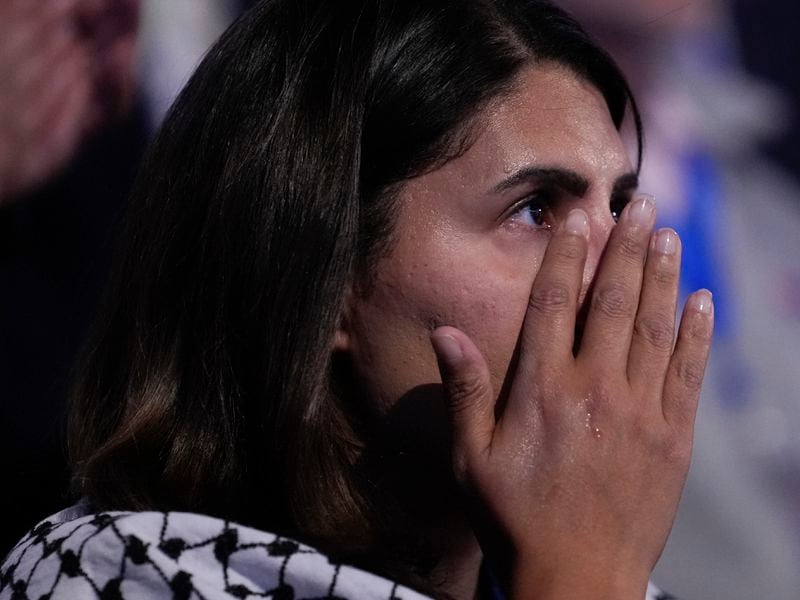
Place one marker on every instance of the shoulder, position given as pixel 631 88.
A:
pixel 123 555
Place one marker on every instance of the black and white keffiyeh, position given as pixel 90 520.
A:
pixel 175 556
pixel 179 556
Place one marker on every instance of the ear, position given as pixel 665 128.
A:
pixel 343 338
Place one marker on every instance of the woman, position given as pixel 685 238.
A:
pixel 344 196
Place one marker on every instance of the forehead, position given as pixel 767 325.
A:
pixel 552 117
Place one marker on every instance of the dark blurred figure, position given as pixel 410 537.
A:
pixel 66 68
pixel 70 140
pixel 770 48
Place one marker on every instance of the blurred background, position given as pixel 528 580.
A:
pixel 85 83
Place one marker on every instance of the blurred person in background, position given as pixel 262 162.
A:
pixel 738 530
pixel 70 138
pixel 776 61
pixel 83 83
pixel 66 71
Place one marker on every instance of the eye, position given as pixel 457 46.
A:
pixel 618 204
pixel 534 211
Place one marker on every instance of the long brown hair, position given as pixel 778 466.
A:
pixel 264 199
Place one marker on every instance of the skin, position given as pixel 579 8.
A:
pixel 462 257
pixel 571 454
pixel 66 69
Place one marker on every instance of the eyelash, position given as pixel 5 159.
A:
pixel 543 200
pixel 537 204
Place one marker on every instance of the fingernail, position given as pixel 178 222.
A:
pixel 666 242
pixel 704 302
pixel 577 222
pixel 640 211
pixel 447 348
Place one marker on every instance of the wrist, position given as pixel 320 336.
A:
pixel 575 580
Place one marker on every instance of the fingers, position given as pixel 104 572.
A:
pixel 62 128
pixel 72 77
pixel 688 363
pixel 469 397
pixel 48 127
pixel 25 25
pixel 35 68
pixel 609 325
pixel 45 99
pixel 654 327
pixel 549 328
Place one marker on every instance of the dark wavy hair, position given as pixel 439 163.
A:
pixel 265 199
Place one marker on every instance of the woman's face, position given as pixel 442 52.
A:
pixel 470 237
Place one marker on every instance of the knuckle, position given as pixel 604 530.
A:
pixel 609 408
pixel 657 331
pixel 699 331
pixel 629 246
pixel 550 298
pixel 603 391
pixel 690 373
pixel 601 402
pixel 675 450
pixel 626 412
pixel 666 445
pixel 463 391
pixel 546 404
pixel 571 249
pixel 613 300
pixel 665 276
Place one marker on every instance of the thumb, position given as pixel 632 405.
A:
pixel 468 394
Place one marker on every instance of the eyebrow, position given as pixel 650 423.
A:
pixel 568 180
